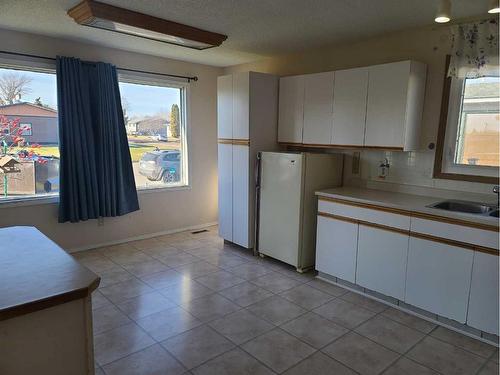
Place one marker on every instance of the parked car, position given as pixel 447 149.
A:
pixel 161 138
pixel 161 165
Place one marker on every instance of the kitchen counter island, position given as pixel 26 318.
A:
pixel 45 307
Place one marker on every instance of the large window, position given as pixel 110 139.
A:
pixel 155 119
pixel 468 148
pixel 154 113
pixel 29 150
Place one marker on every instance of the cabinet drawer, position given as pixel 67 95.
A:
pixel 365 214
pixel 474 236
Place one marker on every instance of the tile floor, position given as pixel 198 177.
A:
pixel 190 304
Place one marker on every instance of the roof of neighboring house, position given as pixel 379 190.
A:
pixel 150 123
pixel 27 109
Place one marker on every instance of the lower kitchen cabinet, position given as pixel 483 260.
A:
pixel 225 187
pixel 483 300
pixel 381 264
pixel 336 248
pixel 242 229
pixel 438 278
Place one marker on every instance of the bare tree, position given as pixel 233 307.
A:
pixel 125 109
pixel 13 86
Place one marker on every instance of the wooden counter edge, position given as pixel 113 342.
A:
pixel 51 301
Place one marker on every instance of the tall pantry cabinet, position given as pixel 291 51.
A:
pixel 247 114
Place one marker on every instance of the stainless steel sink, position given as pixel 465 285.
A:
pixel 466 207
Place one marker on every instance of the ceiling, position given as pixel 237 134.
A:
pixel 255 28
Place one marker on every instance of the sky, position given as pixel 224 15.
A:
pixel 141 100
pixel 148 100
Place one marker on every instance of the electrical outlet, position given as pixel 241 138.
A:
pixel 100 221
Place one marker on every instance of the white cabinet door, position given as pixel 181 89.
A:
pixel 438 278
pixel 241 201
pixel 381 264
pixel 483 300
pixel 241 105
pixel 336 248
pixel 386 106
pixel 318 107
pixel 291 109
pixel 225 187
pixel 349 107
pixel 225 106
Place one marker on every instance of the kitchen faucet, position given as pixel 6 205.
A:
pixel 496 190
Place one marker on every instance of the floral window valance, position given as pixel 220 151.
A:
pixel 474 50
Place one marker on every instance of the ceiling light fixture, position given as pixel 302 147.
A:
pixel 103 16
pixel 494 7
pixel 443 14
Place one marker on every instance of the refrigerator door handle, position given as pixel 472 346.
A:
pixel 257 176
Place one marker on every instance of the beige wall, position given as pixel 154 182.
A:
pixel 428 45
pixel 160 211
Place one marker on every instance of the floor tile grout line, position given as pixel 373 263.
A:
pixel 490 358
pixel 189 369
pixel 275 328
pixel 408 326
pixel 138 351
pixel 456 346
pixel 403 355
pixel 353 330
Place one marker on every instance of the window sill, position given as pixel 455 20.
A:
pixel 163 189
pixel 37 201
pixel 31 201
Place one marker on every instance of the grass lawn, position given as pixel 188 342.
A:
pixel 42 151
pixel 136 148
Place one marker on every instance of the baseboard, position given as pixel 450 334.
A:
pixel 141 237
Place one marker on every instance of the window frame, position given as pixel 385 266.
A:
pixel 38 66
pixel 144 78
pixel 30 129
pixel 444 163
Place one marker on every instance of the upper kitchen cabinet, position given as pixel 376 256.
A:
pixel 241 105
pixel 394 105
pixel 291 109
pixel 225 107
pixel 318 107
pixel 349 107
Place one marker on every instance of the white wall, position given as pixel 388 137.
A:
pixel 412 171
pixel 160 211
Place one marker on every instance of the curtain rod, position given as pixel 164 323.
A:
pixel 188 78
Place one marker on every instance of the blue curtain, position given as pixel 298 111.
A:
pixel 96 175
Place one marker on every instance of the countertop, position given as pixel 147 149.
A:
pixel 403 201
pixel 35 273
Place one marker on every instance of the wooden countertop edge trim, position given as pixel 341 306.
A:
pixel 355 147
pixel 481 249
pixel 234 141
pixel 51 301
pixel 420 215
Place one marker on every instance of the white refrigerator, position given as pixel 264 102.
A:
pixel 287 205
